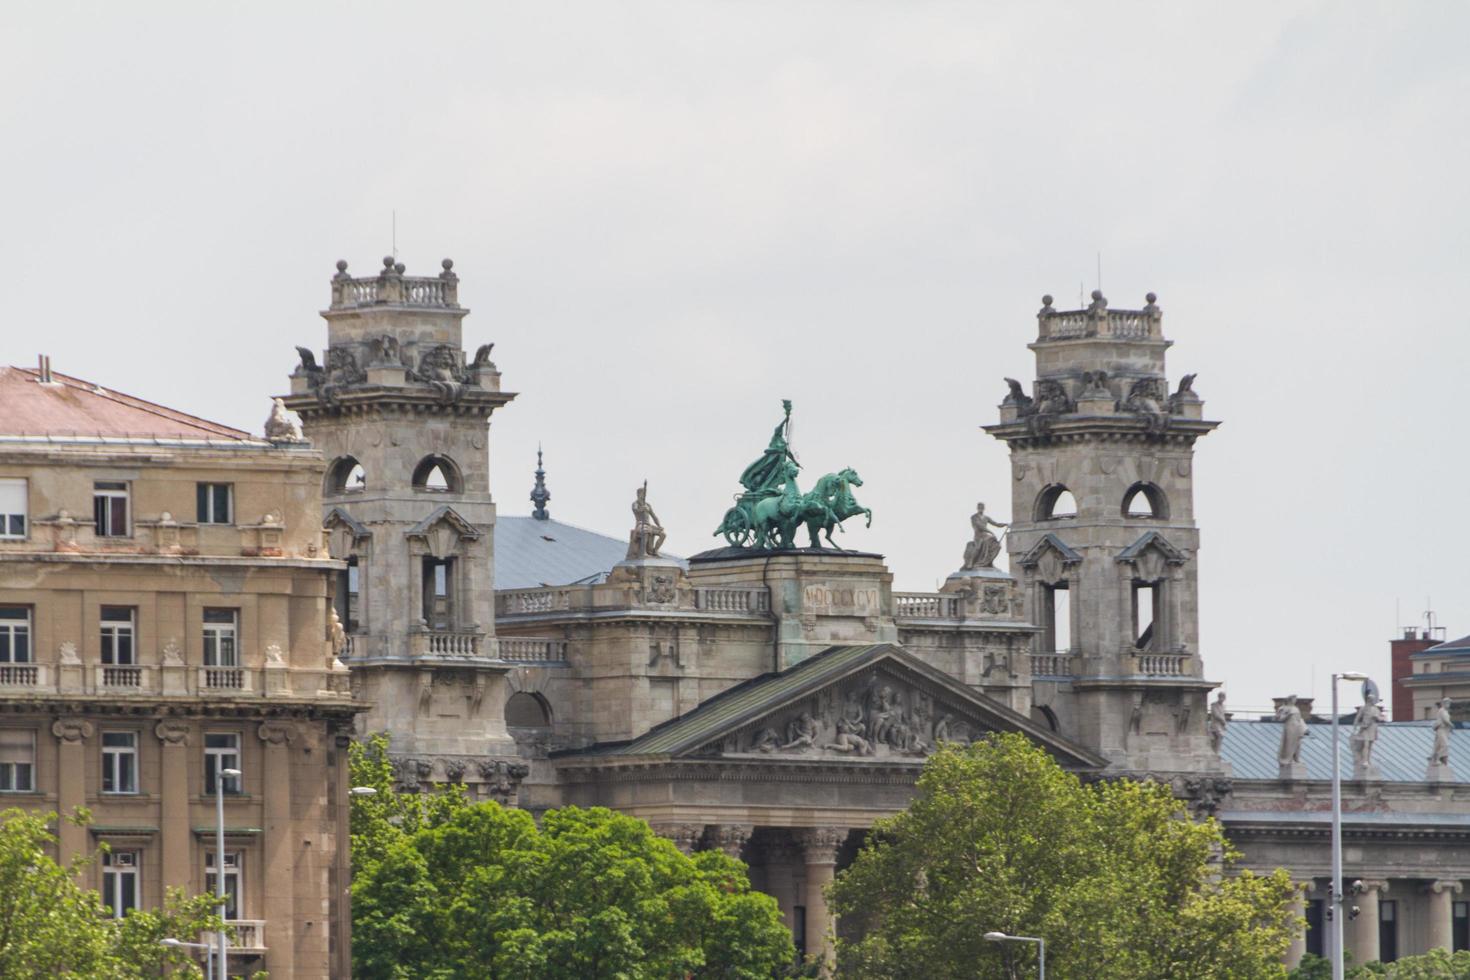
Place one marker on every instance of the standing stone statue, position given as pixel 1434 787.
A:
pixel 1439 757
pixel 1364 736
pixel 281 427
pixel 648 535
pixel 1217 721
pixel 1293 730
pixel 982 551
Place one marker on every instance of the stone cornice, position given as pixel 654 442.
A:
pixel 1128 428
pixel 662 769
pixel 630 614
pixel 411 400
pixel 86 706
pixel 265 563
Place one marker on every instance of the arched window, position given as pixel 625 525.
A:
pixel 437 474
pixel 345 475
pixel 1055 503
pixel 1145 500
pixel 525 710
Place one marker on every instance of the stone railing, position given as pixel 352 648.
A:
pixel 1060 326
pixel 452 644
pixel 249 934
pixel 390 287
pixel 1161 664
pixel 511 602
pixel 531 649
pixel 1125 324
pixel 123 678
pixel 1051 664
pixel 22 675
pixel 223 680
pixel 926 605
pixel 349 646
pixel 732 600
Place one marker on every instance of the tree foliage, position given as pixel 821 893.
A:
pixel 447 888
pixel 1113 875
pixel 50 926
pixel 1437 964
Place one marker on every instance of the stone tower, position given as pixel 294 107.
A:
pixel 401 415
pixel 1103 536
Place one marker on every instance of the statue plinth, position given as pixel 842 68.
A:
pixel 1292 771
pixel 1367 773
pixel 1439 772
pixel 968 579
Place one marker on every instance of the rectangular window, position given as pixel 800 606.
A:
pixel 15 634
pixel 232 880
pixel 110 509
pixel 117 635
pixel 348 582
pixel 17 761
pixel 798 929
pixel 1146 597
pixel 120 882
pixel 213 502
pixel 119 762
pixel 221 628
pixel 1315 935
pixel 221 751
pixel 1388 931
pixel 1460 937
pixel 438 607
pixel 13 508
pixel 1056 618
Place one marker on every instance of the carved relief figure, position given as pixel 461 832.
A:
pixel 648 535
pixel 850 734
pixel 882 713
pixel 385 350
pixel 1052 398
pixel 982 551
pixel 1365 732
pixel 1443 725
pixel 1095 384
pixel 1293 730
pixel 951 730
pixel 765 740
pixel 1216 722
pixel 801 732
pixel 1146 396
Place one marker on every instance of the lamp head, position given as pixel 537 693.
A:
pixel 996 937
pixel 230 773
pixel 363 791
pixel 1352 675
pixel 170 943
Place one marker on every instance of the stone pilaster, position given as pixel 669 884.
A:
pixel 173 738
pixel 1442 912
pixel 72 733
pixel 819 851
pixel 278 842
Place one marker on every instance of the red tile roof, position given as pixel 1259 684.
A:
pixel 72 407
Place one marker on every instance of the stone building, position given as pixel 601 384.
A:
pixel 164 615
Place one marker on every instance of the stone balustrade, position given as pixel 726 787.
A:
pixel 531 649
pixel 1123 324
pixel 1162 664
pixel 247 935
pixel 224 680
pixel 1051 664
pixel 514 602
pixel 450 644
pixel 124 677
pixel 927 605
pixel 22 675
pixel 390 287
pixel 732 600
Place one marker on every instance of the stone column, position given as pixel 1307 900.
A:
pixel 731 838
pixel 686 836
pixel 71 791
pixel 819 851
pixel 1362 932
pixel 1298 947
pixel 278 843
pixel 1442 912
pixel 173 739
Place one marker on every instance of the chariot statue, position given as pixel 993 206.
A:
pixel 771 507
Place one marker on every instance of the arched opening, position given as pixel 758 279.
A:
pixel 1145 500
pixel 437 474
pixel 1043 714
pixel 1055 503
pixel 346 475
pixel 525 710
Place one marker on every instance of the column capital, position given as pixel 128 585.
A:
pixel 276 733
pixel 1452 885
pixel 72 729
pixel 172 732
pixel 685 836
pixel 731 837
pixel 1372 884
pixel 819 844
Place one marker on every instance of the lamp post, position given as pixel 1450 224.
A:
pixel 1000 937
pixel 1338 903
pixel 362 791
pixel 180 944
pixel 220 776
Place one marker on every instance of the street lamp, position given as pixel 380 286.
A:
pixel 1338 905
pixel 180 944
pixel 1000 937
pixel 362 791
pixel 219 865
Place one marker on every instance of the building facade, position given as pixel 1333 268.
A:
pixel 165 616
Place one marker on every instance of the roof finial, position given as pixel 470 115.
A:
pixel 539 494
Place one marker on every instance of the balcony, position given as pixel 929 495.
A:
pixel 249 936
pixel 1051 664
pixel 26 676
pixel 224 680
pixel 124 679
pixel 445 644
pixel 1162 664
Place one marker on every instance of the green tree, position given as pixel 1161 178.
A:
pixel 1437 964
pixel 1113 875
pixel 448 888
pixel 50 926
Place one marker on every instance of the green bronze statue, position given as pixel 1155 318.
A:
pixel 767 514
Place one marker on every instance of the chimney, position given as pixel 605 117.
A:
pixel 44 370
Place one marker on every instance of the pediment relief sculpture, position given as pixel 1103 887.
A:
pixel 874 715
pixel 443 532
pixel 1050 559
pixel 1151 557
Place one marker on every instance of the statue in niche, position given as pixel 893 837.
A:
pixel 1443 725
pixel 765 740
pixel 1365 732
pixel 1217 721
pixel 983 550
pixel 801 733
pixel 281 427
pixel 648 534
pixel 1293 730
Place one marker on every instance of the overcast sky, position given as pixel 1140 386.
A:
pixel 669 216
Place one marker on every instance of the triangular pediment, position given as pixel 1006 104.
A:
pixel 444 516
pixel 339 518
pixel 1150 556
pixel 862 704
pixel 1049 544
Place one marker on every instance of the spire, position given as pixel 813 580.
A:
pixel 539 494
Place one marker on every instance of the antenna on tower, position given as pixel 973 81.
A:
pixel 1099 270
pixel 395 234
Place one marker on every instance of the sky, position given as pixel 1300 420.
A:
pixel 670 216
